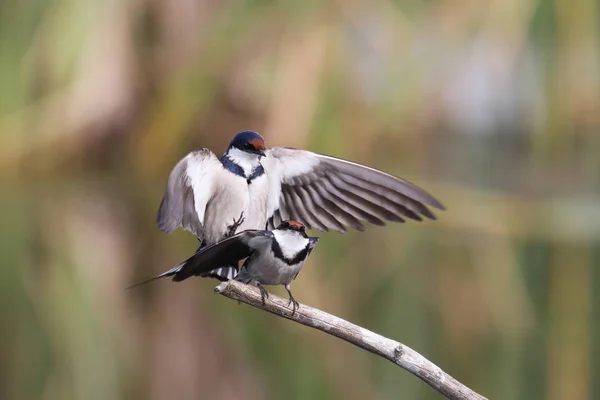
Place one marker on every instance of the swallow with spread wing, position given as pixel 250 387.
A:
pixel 205 194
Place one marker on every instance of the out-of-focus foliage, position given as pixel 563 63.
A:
pixel 493 106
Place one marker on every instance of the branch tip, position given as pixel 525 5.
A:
pixel 394 351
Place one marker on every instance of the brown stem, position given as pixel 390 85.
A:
pixel 396 352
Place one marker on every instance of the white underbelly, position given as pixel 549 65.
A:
pixel 234 197
pixel 256 213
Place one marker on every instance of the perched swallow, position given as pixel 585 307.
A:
pixel 272 257
pixel 206 194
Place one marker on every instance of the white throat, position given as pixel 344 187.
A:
pixel 247 161
pixel 290 242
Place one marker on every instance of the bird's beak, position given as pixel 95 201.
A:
pixel 261 153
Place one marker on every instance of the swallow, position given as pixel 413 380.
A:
pixel 273 257
pixel 207 195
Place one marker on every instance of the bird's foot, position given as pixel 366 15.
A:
pixel 295 304
pixel 263 293
pixel 236 224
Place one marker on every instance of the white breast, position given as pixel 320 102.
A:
pixel 256 215
pixel 230 197
pixel 247 161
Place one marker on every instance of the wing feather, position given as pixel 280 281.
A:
pixel 275 220
pixel 399 199
pixel 385 202
pixel 188 191
pixel 212 258
pixel 293 212
pixel 315 205
pixel 299 209
pixel 329 193
pixel 225 252
pixel 382 179
pixel 283 209
pixel 310 211
pixel 352 204
pixel 342 212
pixel 363 202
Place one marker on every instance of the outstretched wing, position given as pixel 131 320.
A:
pixel 225 252
pixel 326 193
pixel 189 189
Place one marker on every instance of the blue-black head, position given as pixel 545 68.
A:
pixel 250 142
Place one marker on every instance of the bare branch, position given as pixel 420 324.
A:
pixel 394 351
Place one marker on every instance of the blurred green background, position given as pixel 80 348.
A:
pixel 492 106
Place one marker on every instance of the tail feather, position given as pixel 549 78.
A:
pixel 224 273
pixel 170 272
pixel 193 266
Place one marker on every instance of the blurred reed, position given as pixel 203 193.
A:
pixel 492 106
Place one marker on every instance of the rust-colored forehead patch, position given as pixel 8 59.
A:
pixel 258 144
pixel 295 223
